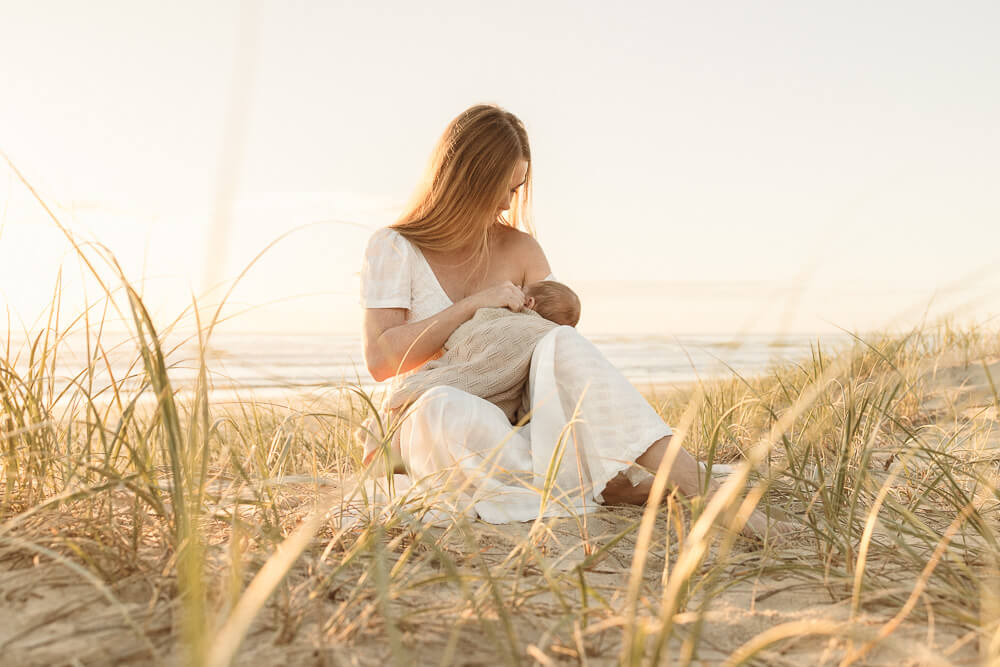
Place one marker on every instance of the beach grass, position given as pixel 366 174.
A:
pixel 140 523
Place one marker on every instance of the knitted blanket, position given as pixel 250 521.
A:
pixel 489 356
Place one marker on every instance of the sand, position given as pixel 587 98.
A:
pixel 52 615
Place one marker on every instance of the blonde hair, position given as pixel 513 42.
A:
pixel 554 301
pixel 469 172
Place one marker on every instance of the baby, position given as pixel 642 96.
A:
pixel 489 356
pixel 553 301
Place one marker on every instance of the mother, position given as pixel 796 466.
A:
pixel 460 247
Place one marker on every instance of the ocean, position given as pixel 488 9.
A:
pixel 307 361
pixel 628 321
pixel 272 364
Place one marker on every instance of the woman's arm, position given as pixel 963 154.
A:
pixel 392 345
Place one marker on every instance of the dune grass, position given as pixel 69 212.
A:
pixel 216 533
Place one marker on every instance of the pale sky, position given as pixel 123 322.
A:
pixel 850 148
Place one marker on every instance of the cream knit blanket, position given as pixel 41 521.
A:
pixel 489 356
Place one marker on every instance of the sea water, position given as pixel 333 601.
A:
pixel 274 363
pixel 256 361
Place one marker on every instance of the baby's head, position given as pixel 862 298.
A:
pixel 553 301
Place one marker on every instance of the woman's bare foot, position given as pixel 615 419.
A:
pixel 686 476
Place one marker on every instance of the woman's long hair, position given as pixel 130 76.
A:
pixel 468 175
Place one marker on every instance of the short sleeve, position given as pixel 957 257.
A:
pixel 385 273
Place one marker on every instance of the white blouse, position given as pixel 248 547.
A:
pixel 395 274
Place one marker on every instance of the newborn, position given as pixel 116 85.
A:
pixel 554 301
pixel 489 356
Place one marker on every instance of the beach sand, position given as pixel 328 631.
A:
pixel 54 613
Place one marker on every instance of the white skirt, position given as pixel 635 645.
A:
pixel 588 423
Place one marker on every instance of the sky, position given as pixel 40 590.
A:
pixel 698 166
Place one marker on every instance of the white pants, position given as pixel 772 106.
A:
pixel 588 424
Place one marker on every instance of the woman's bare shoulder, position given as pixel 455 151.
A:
pixel 515 240
pixel 523 250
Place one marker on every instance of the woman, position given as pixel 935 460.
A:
pixel 460 246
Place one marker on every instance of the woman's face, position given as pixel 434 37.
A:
pixel 516 181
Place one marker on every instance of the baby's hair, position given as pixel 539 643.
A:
pixel 555 301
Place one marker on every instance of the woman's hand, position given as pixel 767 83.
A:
pixel 504 295
pixel 392 345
